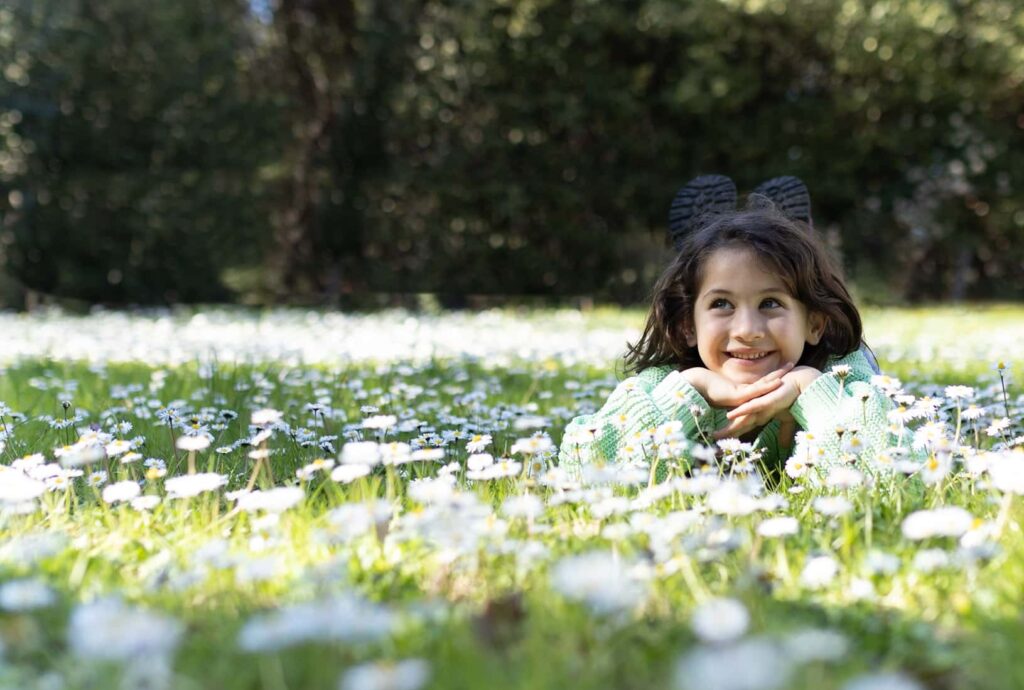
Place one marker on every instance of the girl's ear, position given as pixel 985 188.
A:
pixel 816 323
pixel 691 336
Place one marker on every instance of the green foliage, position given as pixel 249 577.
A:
pixel 561 130
pixel 496 146
pixel 132 153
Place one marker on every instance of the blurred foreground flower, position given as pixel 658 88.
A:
pixel 194 484
pixel 345 618
pixel 598 579
pixel 121 491
pixel 17 487
pixel 950 521
pixel 276 500
pixel 111 630
pixel 753 664
pixel 25 595
pixel 720 620
pixel 883 681
pixel 408 674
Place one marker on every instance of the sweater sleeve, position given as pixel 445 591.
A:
pixel 637 405
pixel 841 405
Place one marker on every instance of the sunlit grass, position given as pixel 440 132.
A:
pixel 469 581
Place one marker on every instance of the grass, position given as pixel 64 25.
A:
pixel 468 584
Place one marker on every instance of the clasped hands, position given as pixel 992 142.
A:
pixel 752 405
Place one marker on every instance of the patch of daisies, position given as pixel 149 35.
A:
pixel 317 478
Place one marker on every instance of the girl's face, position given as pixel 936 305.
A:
pixel 746 321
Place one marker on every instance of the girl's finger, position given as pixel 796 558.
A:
pixel 771 384
pixel 724 432
pixel 765 384
pixel 744 409
pixel 735 428
pixel 757 389
pixel 762 387
pixel 771 401
pixel 763 402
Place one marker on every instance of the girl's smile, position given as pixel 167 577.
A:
pixel 746 321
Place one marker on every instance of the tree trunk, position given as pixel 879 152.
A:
pixel 317 42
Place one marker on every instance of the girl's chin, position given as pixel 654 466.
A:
pixel 742 377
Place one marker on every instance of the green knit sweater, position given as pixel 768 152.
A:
pixel 830 407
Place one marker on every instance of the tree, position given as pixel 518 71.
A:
pixel 135 143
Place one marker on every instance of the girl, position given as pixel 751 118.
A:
pixel 751 334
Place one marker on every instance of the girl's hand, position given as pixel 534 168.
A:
pixel 722 393
pixel 772 405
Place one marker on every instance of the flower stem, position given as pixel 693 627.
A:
pixel 1006 398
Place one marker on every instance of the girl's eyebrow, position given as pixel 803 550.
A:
pixel 723 291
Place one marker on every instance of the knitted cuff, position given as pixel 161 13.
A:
pixel 675 397
pixel 818 404
pixel 578 442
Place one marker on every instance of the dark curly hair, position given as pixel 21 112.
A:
pixel 789 248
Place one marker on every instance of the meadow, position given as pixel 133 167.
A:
pixel 292 499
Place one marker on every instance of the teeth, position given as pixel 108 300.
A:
pixel 760 355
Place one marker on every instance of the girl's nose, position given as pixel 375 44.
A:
pixel 748 325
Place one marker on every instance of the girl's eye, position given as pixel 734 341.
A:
pixel 720 303
pixel 770 303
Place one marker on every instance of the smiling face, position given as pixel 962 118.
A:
pixel 747 323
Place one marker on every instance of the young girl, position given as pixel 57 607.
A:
pixel 751 335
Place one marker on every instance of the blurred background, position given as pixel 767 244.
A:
pixel 355 153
